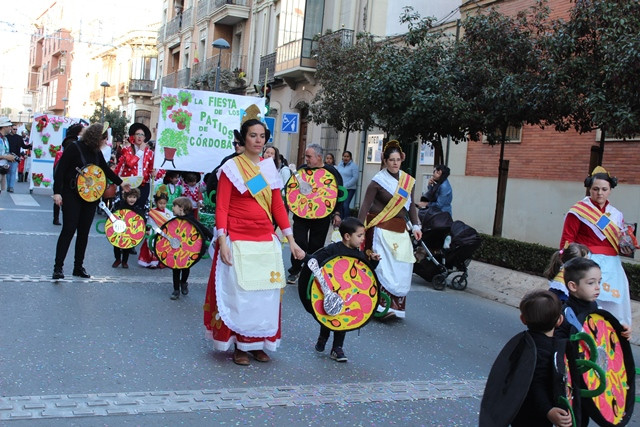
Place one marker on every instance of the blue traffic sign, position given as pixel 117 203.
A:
pixel 271 124
pixel 290 122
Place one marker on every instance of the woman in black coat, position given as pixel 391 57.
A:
pixel 77 213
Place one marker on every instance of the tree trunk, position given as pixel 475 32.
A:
pixel 438 155
pixel 503 175
pixel 346 141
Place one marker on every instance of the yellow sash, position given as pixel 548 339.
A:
pixel 600 221
pixel 255 182
pixel 397 202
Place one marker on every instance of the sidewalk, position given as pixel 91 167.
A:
pixel 508 286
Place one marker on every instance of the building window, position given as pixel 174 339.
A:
pixel 144 68
pixel 514 135
pixel 144 117
pixel 329 140
pixel 613 139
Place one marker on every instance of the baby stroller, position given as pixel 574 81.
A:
pixel 446 247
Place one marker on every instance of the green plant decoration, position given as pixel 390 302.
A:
pixel 170 138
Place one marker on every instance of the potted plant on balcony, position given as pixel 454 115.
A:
pixel 182 118
pixel 185 97
pixel 173 143
pixel 167 103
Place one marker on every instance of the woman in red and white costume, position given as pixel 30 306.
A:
pixel 595 223
pixel 137 160
pixel 250 319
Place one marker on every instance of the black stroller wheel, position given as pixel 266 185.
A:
pixel 459 282
pixel 439 281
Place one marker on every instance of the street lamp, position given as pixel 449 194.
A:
pixel 104 85
pixel 64 111
pixel 219 44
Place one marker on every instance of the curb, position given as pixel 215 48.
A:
pixel 509 286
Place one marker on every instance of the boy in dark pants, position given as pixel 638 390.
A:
pixel 183 208
pixel 352 233
pixel 129 199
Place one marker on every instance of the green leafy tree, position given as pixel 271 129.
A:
pixel 594 67
pixel 341 72
pixel 499 78
pixel 117 121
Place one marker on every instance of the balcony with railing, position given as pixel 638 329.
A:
pixel 160 37
pixel 202 10
pixel 187 19
pixel 267 65
pixel 173 26
pixel 343 38
pixel 179 79
pixel 227 62
pixel 228 12
pixel 137 87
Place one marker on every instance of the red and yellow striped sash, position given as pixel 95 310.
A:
pixel 255 182
pixel 601 221
pixel 397 202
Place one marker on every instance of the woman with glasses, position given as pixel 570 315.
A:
pixel 137 160
pixel 387 203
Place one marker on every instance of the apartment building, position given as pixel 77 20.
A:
pixel 546 169
pixel 50 69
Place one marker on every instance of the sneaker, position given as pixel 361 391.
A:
pixel 10 190
pixel 133 251
pixel 184 287
pixel 338 355
pixel 56 222
pixel 175 294
pixel 292 278
pixel 320 344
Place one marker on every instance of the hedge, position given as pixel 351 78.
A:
pixel 533 258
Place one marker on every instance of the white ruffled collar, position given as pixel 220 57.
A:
pixel 267 168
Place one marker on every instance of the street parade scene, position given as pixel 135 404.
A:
pixel 242 213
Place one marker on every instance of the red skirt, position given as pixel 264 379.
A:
pixel 148 259
pixel 223 337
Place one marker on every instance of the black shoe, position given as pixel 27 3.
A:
pixel 56 222
pixel 292 278
pixel 81 272
pixel 57 273
pixel 132 251
pixel 10 190
pixel 322 342
pixel 175 294
pixel 184 287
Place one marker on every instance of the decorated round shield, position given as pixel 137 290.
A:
pixel 614 406
pixel 133 233
pixel 312 193
pixel 180 245
pixel 356 283
pixel 91 182
pixel 133 181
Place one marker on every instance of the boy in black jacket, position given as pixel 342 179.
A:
pixel 352 233
pixel 183 208
pixel 129 199
pixel 541 311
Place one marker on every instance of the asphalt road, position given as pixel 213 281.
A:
pixel 115 350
